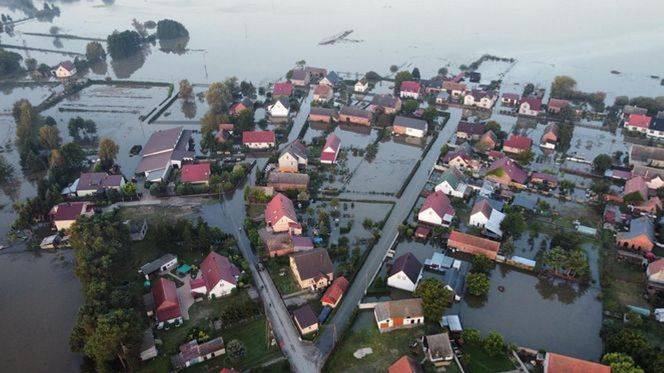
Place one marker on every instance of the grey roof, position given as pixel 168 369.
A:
pixel 299 75
pixel 313 263
pixel 154 265
pixel 645 154
pixel 439 346
pixel 638 227
pixel 470 128
pixel 297 149
pixel 409 264
pixel 332 77
pixel 322 111
pixel 657 124
pixel 305 316
pixel 356 112
pixel 399 308
pixel 163 147
pixel 284 102
pixel 453 177
pixel 148 340
pixel 276 177
pixel 631 109
pixel 98 181
pixel 410 123
pixel 384 100
pixel 162 141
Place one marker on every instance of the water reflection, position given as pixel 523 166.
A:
pixel 177 46
pixel 99 67
pixel 563 291
pixel 189 109
pixel 123 69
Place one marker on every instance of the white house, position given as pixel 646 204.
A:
pixel 281 108
pixel 530 106
pixel 362 86
pixel 259 139
pixel 409 126
pixel 330 149
pixel 405 273
pixel 399 314
pixel 484 216
pixel 219 276
pixel 452 183
pixel 436 210
pixel 481 99
pixel 65 70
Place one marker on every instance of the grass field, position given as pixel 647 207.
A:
pixel 285 284
pixel 622 283
pixel 479 361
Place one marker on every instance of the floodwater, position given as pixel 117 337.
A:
pixel 260 40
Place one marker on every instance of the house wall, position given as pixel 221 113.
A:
pixel 288 163
pixel 61 72
pixel 524 109
pixel 282 225
pixel 320 118
pixel 398 323
pixel 469 100
pixel 401 281
pixel 509 149
pixel 277 110
pixel 637 129
pixel 361 88
pixel 354 119
pixel 287 186
pixel 306 330
pixel 406 94
pixel 429 216
pixel 329 152
pixel 328 302
pixel 478 220
pixel 637 243
pixel 63 224
pixel 471 249
pixel 306 283
pixel 655 134
pixel 222 288
pixel 259 145
pixel 401 130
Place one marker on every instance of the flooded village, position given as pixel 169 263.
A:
pixel 183 196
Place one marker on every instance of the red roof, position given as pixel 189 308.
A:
pixel 555 363
pixel 534 103
pixel 253 137
pixel 511 168
pixel 639 120
pixel 471 241
pixel 655 267
pixel 197 283
pixel 405 365
pixel 226 370
pixel 279 207
pixel 322 90
pixel 511 96
pixel 334 293
pixel 558 103
pixel 226 127
pixel 237 108
pixel 282 89
pixel 439 202
pixel 544 176
pixel 636 184
pixel 410 86
pixel 217 267
pixel 331 148
pixel 195 173
pixel 422 232
pixel 69 210
pixel 518 142
pixel 166 303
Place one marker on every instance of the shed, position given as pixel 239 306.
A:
pixel 452 322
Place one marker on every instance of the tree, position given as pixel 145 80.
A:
pixel 528 89
pixel 219 95
pixel 600 187
pixel 129 190
pixel 494 126
pixel 94 51
pixel 49 137
pixel 372 76
pixel 394 68
pixel 6 170
pixel 108 150
pixel 169 29
pixel 113 333
pixel 620 363
pixel 88 126
pixel 400 77
pixel 471 335
pixel 513 224
pixel 429 114
pixel 602 163
pixel 334 203
pixel 415 74
pixel 56 159
pixel 123 44
pixel 236 350
pixel 73 155
pixel 435 298
pixel 442 71
pixel 186 90
pixel 567 114
pixel 478 284
pixel 494 344
pixel 409 106
pixel 30 64
pixel 482 264
pixel 525 157
pixel 562 86
pixel 631 343
pixel 566 186
pixel 10 62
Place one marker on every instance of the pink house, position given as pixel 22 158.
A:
pixel 330 149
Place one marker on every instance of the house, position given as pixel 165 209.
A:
pixel 259 139
pixel 654 177
pixel 410 89
pixel 283 181
pixel 65 70
pixel 517 144
pixel 636 187
pixel 442 98
pixel 630 109
pixel 542 178
pixel 638 122
pixel 222 135
pixel 300 78
pixel 277 244
pixel 330 149
pixel 305 319
pixel 455 89
pixel 192 352
pixel 284 89
pixel 530 106
pixel 651 206
pixel 335 292
pixel 164 150
pixel 656 128
pixel 316 72
pixel 405 273
pixel 506 172
pixel 164 263
pixel 63 215
pixel 487 141
pixel 195 173
pixel 510 99
pixel 280 108
pixel 483 215
pixel 480 99
pixel 641 235
pixel 280 214
pixel 470 244
pixel 148 347
pixel 294 157
pixel 312 269
pixel 612 216
pixel 322 115
pixel 436 210
pixel 166 303
pixel 461 159
pixel 554 363
pixel 219 276
pixel 323 93
pixel 655 274
pixel 331 79
pixel 91 183
pixel 409 126
pixel 555 105
pixel 550 137
pixel 432 86
pixel 241 106
pixel 352 115
pixel 399 314
pixel 361 86
pixel 302 243
pixel 386 103
pixel 437 349
pixel 640 155
pixel 453 183
pixel 469 131
pixel 405 364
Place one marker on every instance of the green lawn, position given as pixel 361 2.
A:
pixel 622 283
pixel 480 362
pixel 387 348
pixel 285 284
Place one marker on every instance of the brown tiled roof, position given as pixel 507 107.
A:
pixel 313 263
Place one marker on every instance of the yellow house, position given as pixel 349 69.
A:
pixel 312 269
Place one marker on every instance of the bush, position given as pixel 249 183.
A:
pixel 471 335
pixel 169 29
pixel 123 44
